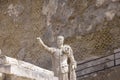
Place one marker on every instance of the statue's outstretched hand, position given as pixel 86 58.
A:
pixel 43 45
pixel 38 38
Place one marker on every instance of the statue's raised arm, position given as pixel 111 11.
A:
pixel 49 49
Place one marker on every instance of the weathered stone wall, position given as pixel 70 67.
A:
pixel 91 27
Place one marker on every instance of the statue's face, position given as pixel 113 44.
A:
pixel 60 40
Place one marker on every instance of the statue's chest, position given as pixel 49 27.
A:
pixel 60 55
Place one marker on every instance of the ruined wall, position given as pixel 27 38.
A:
pixel 91 27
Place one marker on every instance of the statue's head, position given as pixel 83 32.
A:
pixel 60 41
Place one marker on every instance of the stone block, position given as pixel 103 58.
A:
pixel 23 70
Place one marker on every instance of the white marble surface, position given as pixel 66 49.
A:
pixel 20 68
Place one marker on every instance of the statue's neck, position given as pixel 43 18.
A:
pixel 60 46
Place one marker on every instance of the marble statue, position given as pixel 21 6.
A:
pixel 64 64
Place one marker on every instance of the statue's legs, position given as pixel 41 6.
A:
pixel 63 76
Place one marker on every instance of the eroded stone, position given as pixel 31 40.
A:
pixel 23 69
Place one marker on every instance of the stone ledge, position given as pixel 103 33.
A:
pixel 12 61
pixel 19 68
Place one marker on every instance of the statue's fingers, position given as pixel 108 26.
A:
pixel 38 38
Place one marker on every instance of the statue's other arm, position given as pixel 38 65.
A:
pixel 49 49
pixel 72 59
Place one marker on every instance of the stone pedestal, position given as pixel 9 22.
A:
pixel 13 69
